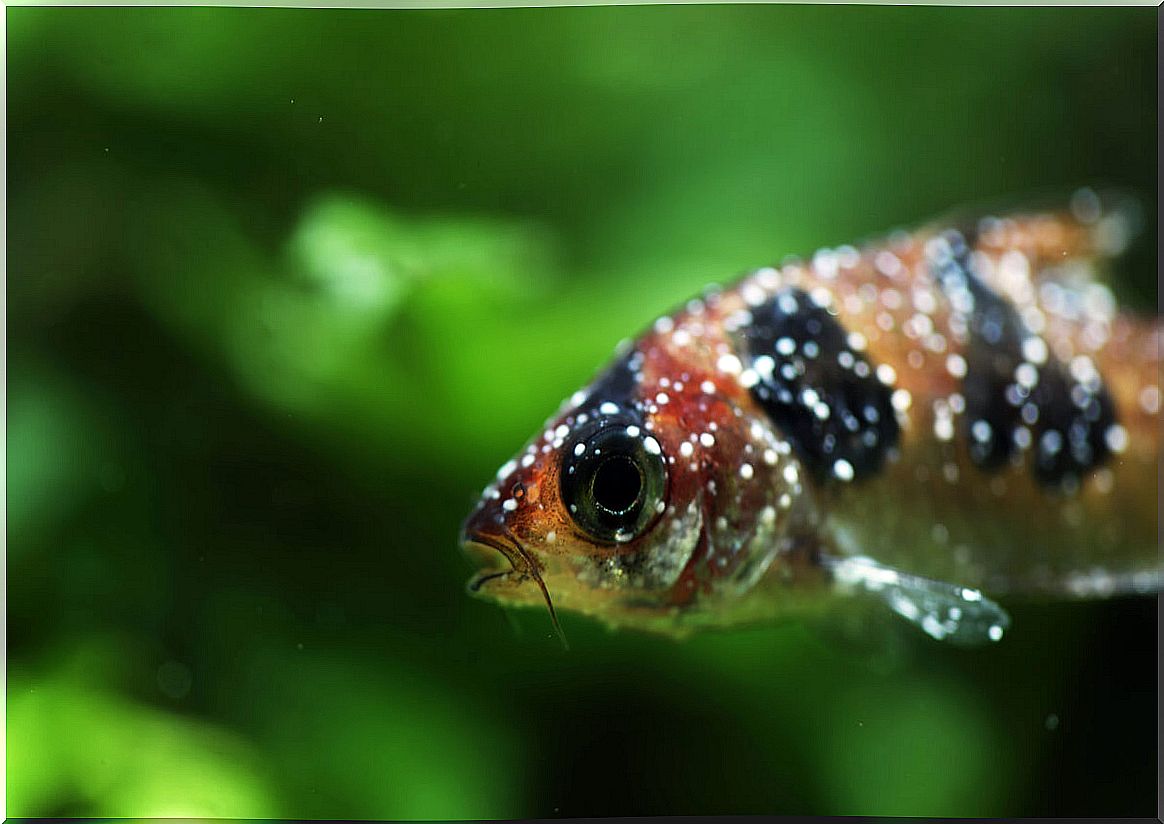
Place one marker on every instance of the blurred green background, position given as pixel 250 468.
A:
pixel 284 289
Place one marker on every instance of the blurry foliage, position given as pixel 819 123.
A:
pixel 286 286
pixel 77 740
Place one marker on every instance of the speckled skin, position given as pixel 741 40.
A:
pixel 749 513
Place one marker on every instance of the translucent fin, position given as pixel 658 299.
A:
pixel 946 612
pixel 1109 219
pixel 862 633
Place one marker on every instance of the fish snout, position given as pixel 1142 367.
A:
pixel 485 544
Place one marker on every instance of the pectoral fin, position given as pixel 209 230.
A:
pixel 944 611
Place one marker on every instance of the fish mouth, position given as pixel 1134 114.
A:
pixel 491 554
pixel 492 550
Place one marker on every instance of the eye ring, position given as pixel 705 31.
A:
pixel 612 480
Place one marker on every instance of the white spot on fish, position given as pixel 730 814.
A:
pixel 1150 399
pixel 1117 438
pixel 821 297
pixel 729 363
pixel 1035 350
pixel 753 294
pixel 1026 375
pixel 956 365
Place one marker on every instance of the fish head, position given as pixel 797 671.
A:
pixel 651 494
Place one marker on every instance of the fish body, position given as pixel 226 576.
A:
pixel 930 420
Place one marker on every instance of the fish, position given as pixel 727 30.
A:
pixel 929 422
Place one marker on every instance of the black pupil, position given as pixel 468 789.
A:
pixel 617 484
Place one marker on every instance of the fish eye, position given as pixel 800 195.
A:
pixel 612 480
pixel 616 485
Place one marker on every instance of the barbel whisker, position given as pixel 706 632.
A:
pixel 531 567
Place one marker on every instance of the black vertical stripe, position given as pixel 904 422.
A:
pixel 1012 403
pixel 822 395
